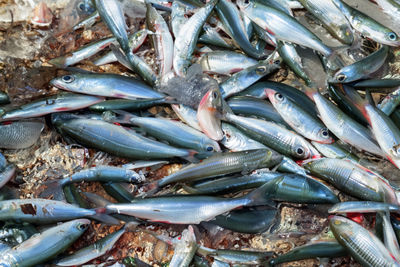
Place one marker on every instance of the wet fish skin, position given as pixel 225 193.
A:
pixel 258 90
pixel 186 40
pixel 343 126
pixel 87 22
pixel 254 221
pixel 187 115
pixel 103 174
pixel 336 151
pixel 274 136
pixel 362 68
pixel 243 79
pixel 225 62
pixel 115 139
pixel 291 58
pixel 129 104
pixel 363 246
pixel 236 140
pixel 390 102
pixel 224 163
pixel 161 39
pixel 302 122
pixel 20 134
pixel 230 16
pixel 192 209
pixel 323 249
pixel 367 26
pixel 105 84
pixel 111 14
pixel 352 179
pixel 283 26
pixel 176 133
pixel 93 251
pixel 233 257
pixel 41 211
pixel 51 104
pixel 184 249
pixel 44 246
pixel 82 53
pixel 4 99
pixel 7 171
pixel 135 41
pixel 363 207
pixel 331 17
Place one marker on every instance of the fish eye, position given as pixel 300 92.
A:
pixel 215 95
pixel 325 133
pixel 341 77
pixel 67 78
pixel 210 148
pixel 279 97
pixel 82 226
pixel 260 70
pixel 81 6
pixel 300 151
pixel 246 2
pixel 277 62
pixel 392 36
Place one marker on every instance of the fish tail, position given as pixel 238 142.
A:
pixel 260 196
pixel 102 216
pixel 310 91
pixel 123 117
pixel 191 157
pixel 171 100
pixel 358 101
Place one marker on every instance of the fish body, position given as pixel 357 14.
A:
pixel 102 84
pixel 20 134
pixel 362 245
pixel 44 246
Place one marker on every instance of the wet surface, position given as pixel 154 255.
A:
pixel 25 76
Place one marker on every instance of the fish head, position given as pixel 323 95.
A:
pixel 345 34
pixel 81 225
pixel 390 38
pixel 209 114
pixel 68 82
pixel 211 146
pixel 324 137
pixel 275 97
pixel 342 76
pixel 301 151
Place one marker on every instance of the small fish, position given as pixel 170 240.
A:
pixel 52 104
pixel 367 26
pixel 363 207
pixel 301 121
pixel 362 68
pixel 225 62
pixel 105 84
pixel 192 209
pixel 7 171
pixel 362 245
pixel 185 249
pixel 44 246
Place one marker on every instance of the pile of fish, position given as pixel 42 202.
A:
pixel 246 143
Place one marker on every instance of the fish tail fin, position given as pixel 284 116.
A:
pixel 260 196
pixel 191 157
pixel 358 101
pixel 102 216
pixel 310 91
pixel 119 116
pixel 171 100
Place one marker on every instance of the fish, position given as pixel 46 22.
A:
pixel 192 209
pixel 20 134
pixel 7 171
pixel 105 84
pixel 225 62
pixel 185 248
pixel 52 104
pixel 44 246
pixel 362 68
pixel 115 139
pixel 298 119
pixel 161 39
pixel 362 245
pixel 367 26
pixel 282 26
pixel 186 40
